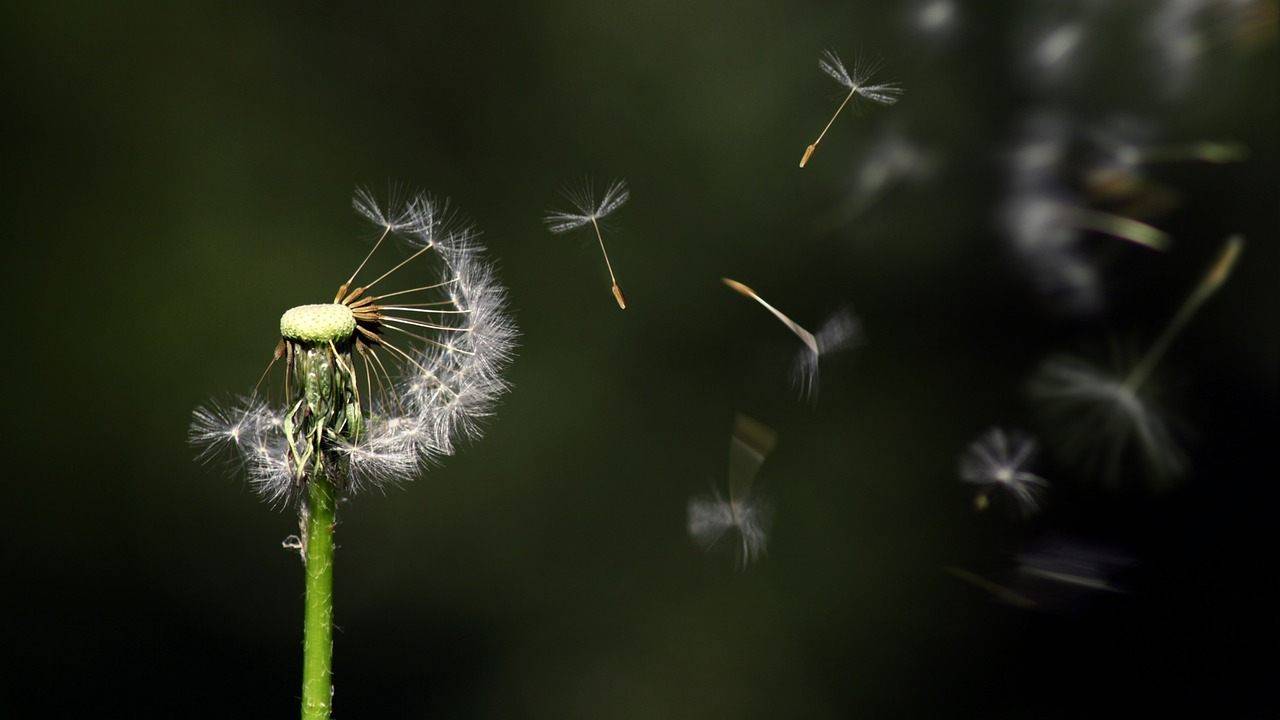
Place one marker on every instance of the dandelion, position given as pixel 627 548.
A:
pixel 998 461
pixel 742 515
pixel 1100 414
pixel 589 211
pixel 375 384
pixel 841 331
pixel 859 83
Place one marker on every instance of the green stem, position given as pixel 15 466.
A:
pixel 1213 279
pixel 317 644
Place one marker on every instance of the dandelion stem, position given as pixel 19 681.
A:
pixel 410 290
pixel 805 336
pixel 999 591
pixel 404 262
pixel 1136 232
pixel 343 289
pixel 808 152
pixel 617 291
pixel 317 644
pixel 1213 279
pixel 1210 152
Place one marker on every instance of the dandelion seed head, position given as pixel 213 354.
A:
pixel 381 381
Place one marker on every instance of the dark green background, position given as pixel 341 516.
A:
pixel 177 176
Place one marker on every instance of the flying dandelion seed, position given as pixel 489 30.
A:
pixel 1099 415
pixel 1056 574
pixel 743 517
pixel 1039 157
pixel 1055 39
pixel 858 83
pixel 375 384
pixel 841 331
pixel 1000 592
pixel 935 17
pixel 1036 216
pixel 589 211
pixel 1125 151
pixel 893 160
pixel 997 461
pixel 1181 33
pixel 1046 222
pixel 1048 250
pixel 1056 48
pixel 1072 565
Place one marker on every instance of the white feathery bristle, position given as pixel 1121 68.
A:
pixel 998 460
pixel 1177 33
pixel 742 515
pixel 230 427
pixel 455 382
pixel 892 160
pixel 1056 48
pixel 712 519
pixel 831 64
pixel 396 215
pixel 1040 218
pixel 859 81
pixel 884 93
pixel 935 16
pixel 438 224
pixel 271 474
pixel 249 432
pixel 1098 416
pixel 387 454
pixel 841 331
pixel 587 208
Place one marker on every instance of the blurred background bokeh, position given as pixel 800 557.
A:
pixel 176 175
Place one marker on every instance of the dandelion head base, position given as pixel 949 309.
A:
pixel 318 323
